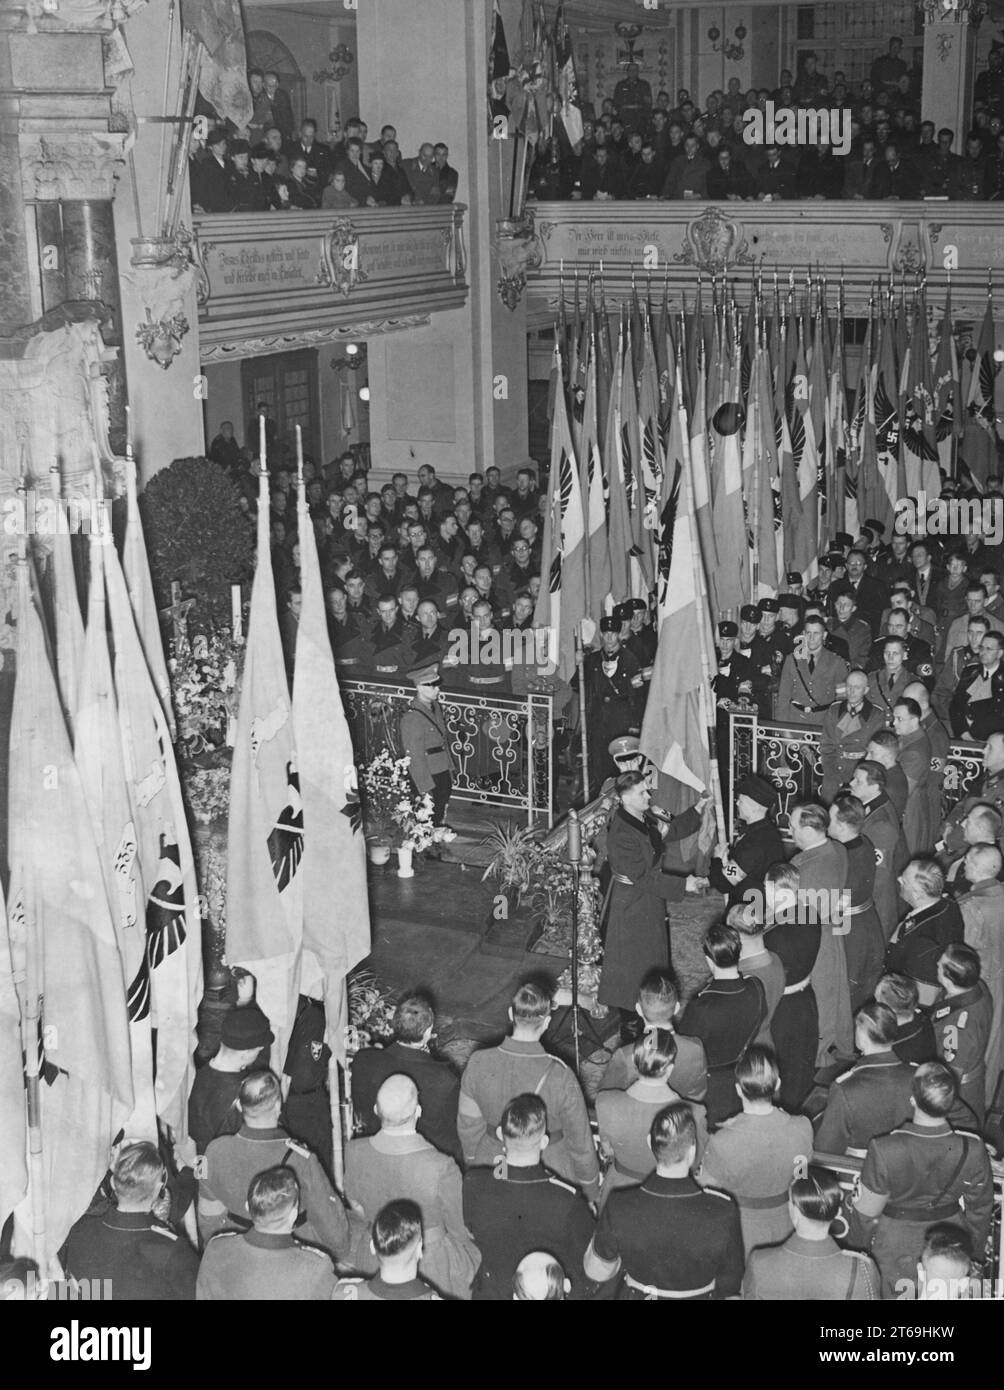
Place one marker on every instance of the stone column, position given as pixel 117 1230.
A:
pixel 452 394
pixel 949 61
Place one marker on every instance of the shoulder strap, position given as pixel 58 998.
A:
pixel 544 1075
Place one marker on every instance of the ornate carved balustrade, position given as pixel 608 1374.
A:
pixel 501 747
pixel 790 758
pixel 268 282
pixel 672 241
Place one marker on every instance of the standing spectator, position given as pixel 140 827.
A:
pixel 224 449
pixel 888 68
pixel 209 175
pixel 448 176
pixel 971 174
pixel 822 882
pixel 282 106
pixel 423 175
pixel 262 115
pixel 633 98
pixel 932 923
pixel 315 159
pixel 811 85
pixel 396 173
pixel 989 85
pixel 726 1015
pixel 399 1248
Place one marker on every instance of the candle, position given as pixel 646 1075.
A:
pixel 299 456
pixel 574 838
pixel 236 621
pixel 261 443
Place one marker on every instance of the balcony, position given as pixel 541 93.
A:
pixel 672 241
pixel 272 281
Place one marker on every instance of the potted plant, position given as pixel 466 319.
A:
pixel 511 862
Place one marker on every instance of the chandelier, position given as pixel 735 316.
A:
pixel 355 357
pixel 961 11
pixel 341 60
pixel 733 51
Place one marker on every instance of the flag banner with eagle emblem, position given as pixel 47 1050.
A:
pixel 673 735
pixel 817 357
pixel 760 473
pixel 265 829
pixel 805 466
pixel 881 495
pixel 170 977
pixel 567 82
pixel 67 620
pixel 618 515
pixel 593 485
pixel 60 919
pixel 136 567
pixel 949 416
pixel 981 438
pixel 642 550
pixel 839 513
pixel 652 461
pixel 219 25
pixel 919 443
pixel 561 605
pixel 732 574
pixel 700 474
pixel 499 70
pixel 336 921
pixel 108 795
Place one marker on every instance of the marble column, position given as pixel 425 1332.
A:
pixel 949 61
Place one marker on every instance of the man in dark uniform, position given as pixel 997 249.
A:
pixel 307 1111
pixel 613 684
pixel 231 1161
pixel 658 1006
pixel 864 942
pixel 810 678
pixel 139 1255
pixel 434 583
pixel 932 923
pixel 429 638
pixel 398 1244
pixel 519 1066
pixel 758 845
pixel 517 1207
pixel 736 674
pixel 266 1262
pixel 410 1054
pixel 212 1104
pixel 914 1040
pixel 392 655
pixel 851 629
pixel 883 828
pixel 991 792
pixel 918 656
pixel 795 1025
pixel 847 727
pixel 963 1021
pixel 425 739
pixel 388 577
pixel 669 1238
pixel 770 645
pixel 922 1173
pixel 726 1015
pixel 643 639
pixel 873 1095
pixel 889 679
pixel 633 99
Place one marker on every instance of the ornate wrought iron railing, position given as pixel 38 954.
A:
pixel 790 758
pixel 501 747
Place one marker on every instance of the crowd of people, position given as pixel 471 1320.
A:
pixel 637 147
pixel 274 165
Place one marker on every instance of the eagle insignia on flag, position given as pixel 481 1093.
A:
pixel 285 841
pixel 165 908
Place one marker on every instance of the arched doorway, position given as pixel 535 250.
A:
pixel 269 53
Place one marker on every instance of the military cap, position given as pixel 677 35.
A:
pixel 769 605
pixel 788 601
pixel 793 577
pixel 758 789
pixel 876 527
pixel 610 623
pixel 424 675
pixel 246 1027
pixel 636 605
pixel 728 629
pixel 261 151
pixel 622 612
pixel 844 538
pixel 627 746
pixel 749 613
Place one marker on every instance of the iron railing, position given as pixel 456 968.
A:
pixel 502 747
pixel 789 757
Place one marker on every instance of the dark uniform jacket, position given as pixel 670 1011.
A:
pixel 914 1040
pixel 726 1016
pixel 842 742
pixel 810 1271
pixel 142 1259
pixel 377 1290
pixel 438 1090
pixel 673 1236
pixel 883 828
pixel 921 937
pixel 258 1267
pixel 979 717
pixel 212 1105
pixel 872 1098
pixel 962 1026
pixel 754 849
pixel 511 1212
pixel 804 696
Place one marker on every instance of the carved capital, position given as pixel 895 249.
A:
pixel 713 243
pixel 71 166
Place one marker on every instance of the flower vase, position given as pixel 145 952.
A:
pixel 379 853
pixel 405 868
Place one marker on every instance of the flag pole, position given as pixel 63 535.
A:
pixel 512 177
pixel 752 423
pixel 337 1135
pixel 583 734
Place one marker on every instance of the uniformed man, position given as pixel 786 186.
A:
pixel 932 923
pixel 726 1015
pixel 539 1278
pixel 431 640
pixel 397 1162
pixel 736 869
pixel 517 1207
pixel 434 583
pixel 518 1066
pixel 991 792
pixel 918 656
pixel 822 884
pixel 938 738
pixel 882 827
pixel 771 643
pixel 824 591
pixel 914 1040
pixel 922 1173
pixel 734 680
pixel 874 1095
pixel 810 678
pixel 392 655
pixel 658 1006
pixel 410 1054
pixel 231 1161
pixel 755 960
pixel 793 935
pixel 887 683
pixel 848 725
pixel 749 621
pixel 963 1024
pixel 127 1251
pixel 853 630
pixel 642 639
pixel 397 1244
pixel 613 686
pixel 425 739
pixel 266 1262
pixel 669 1239
pixel 864 944
pixel 307 1111
pixel 922 816
pixel 212 1105
pixel 810 1266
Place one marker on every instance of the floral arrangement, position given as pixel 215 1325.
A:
pixel 392 810
pixel 551 887
pixel 371 1013
pixel 206 790
pixel 204 686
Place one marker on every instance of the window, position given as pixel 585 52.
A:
pixel 288 384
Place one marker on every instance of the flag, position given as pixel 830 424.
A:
pixel 948 413
pixel 673 733
pixel 619 516
pixel 631 449
pixel 732 581
pixel 336 924
pixel 886 413
pixel 805 466
pixel 561 605
pixel 652 461
pixel 593 484
pixel 837 512
pixel 219 26
pixel 68 623
pixel 171 973
pixel 13 1117
pixel 981 437
pixel 499 68
pixel 109 801
pixel 919 441
pixel 136 566
pixel 568 86
pixel 700 477
pixel 818 411
pixel 760 437
pixel 265 829
pixel 59 918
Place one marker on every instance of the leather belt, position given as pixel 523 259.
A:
pixel 762 1203
pixel 809 709
pixel 485 680
pixel 797 989
pixel 437 749
pixel 622 878
pixel 386 670
pixel 861 907
pixel 619 1167
pixel 652 1293
pixel 346 661
pixel 925 1214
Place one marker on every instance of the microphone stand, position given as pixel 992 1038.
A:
pixel 575 860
